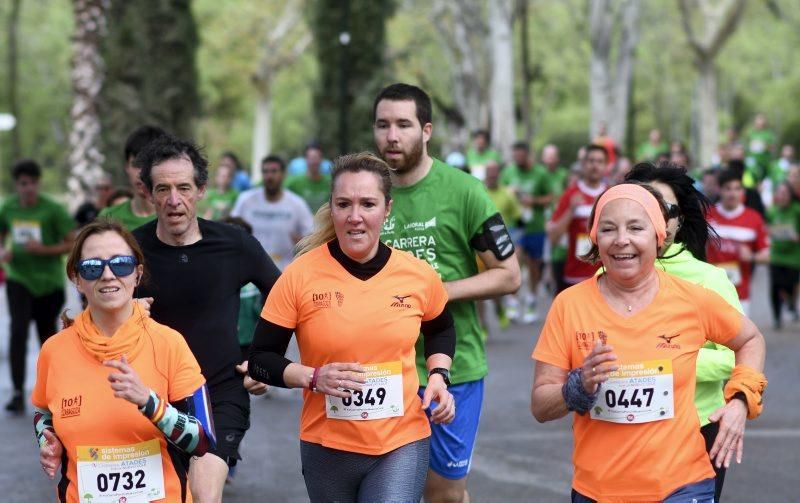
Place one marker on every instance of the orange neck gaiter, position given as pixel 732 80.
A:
pixel 126 340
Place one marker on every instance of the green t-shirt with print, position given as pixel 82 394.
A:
pixel 46 222
pixel 217 204
pixel 434 220
pixel 534 182
pixel 123 213
pixel 784 232
pixel 314 192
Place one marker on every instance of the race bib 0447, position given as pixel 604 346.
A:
pixel 130 473
pixel 380 397
pixel 637 393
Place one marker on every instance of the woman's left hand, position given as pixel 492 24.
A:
pixel 445 412
pixel 126 383
pixel 731 418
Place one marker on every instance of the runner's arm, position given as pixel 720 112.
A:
pixel 502 276
pixel 42 420
pixel 257 267
pixel 186 423
pixel 60 248
pixel 266 361
pixel 547 399
pixel 440 338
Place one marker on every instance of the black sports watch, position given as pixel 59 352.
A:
pixel 442 372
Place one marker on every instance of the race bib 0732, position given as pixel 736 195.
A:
pixel 380 397
pixel 637 393
pixel 130 473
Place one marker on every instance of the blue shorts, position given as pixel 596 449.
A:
pixel 533 244
pixel 452 444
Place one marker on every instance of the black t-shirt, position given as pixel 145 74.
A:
pixel 196 289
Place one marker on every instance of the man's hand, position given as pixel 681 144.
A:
pixel 35 248
pixel 251 385
pixel 145 303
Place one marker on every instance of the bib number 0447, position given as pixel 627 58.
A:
pixel 638 397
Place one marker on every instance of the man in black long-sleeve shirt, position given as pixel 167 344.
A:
pixel 196 270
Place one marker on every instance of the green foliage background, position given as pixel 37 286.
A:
pixel 758 71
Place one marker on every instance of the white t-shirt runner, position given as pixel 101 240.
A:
pixel 276 225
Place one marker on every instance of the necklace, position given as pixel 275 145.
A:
pixel 630 308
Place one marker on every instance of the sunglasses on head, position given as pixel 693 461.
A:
pixel 92 268
pixel 673 211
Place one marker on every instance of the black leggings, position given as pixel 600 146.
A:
pixel 783 282
pixel 709 432
pixel 24 307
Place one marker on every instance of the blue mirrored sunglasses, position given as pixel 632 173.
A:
pixel 92 268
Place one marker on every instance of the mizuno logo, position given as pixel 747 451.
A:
pixel 668 338
pixel 401 301
pixel 400 298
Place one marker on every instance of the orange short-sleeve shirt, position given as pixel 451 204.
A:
pixel 74 387
pixel 340 318
pixel 644 461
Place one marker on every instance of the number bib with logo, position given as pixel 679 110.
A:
pixel 133 472
pixel 380 397
pixel 733 272
pixel 23 231
pixel 637 393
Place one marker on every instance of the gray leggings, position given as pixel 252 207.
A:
pixel 342 476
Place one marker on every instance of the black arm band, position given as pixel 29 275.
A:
pixel 266 361
pixel 440 335
pixel 494 236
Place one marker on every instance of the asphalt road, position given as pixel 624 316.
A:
pixel 516 458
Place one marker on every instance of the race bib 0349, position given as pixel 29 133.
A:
pixel 380 397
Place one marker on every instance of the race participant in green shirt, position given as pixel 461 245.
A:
pixel 139 210
pixel 445 217
pixel 40 231
pixel 784 267
pixel 684 257
pixel 313 186
pixel 533 189
pixel 221 197
pixel 480 153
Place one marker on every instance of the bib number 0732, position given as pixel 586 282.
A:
pixel 635 400
pixel 111 481
pixel 358 398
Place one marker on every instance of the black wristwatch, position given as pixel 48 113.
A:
pixel 442 372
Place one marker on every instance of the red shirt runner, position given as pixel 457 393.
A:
pixel 578 242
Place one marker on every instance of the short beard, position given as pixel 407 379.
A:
pixel 272 191
pixel 408 161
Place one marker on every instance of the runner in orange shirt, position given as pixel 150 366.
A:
pixel 118 396
pixel 352 299
pixel 620 349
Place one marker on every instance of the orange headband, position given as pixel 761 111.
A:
pixel 640 195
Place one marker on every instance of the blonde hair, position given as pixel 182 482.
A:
pixel 323 220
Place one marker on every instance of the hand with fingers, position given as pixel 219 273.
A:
pixel 50 453
pixel 597 366
pixel 337 379
pixel 126 383
pixel 445 411
pixel 145 303
pixel 730 439
pixel 251 385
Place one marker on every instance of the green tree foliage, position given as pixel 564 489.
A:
pixel 360 61
pixel 151 76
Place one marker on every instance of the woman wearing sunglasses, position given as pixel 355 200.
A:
pixel 118 396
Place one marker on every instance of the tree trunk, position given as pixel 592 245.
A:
pixel 718 21
pixel 502 82
pixel 85 159
pixel 610 93
pixel 262 131
pixel 525 69
pixel 707 124
pixel 13 69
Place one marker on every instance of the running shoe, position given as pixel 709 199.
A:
pixel 16 405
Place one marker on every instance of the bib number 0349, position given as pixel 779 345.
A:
pixel 373 396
